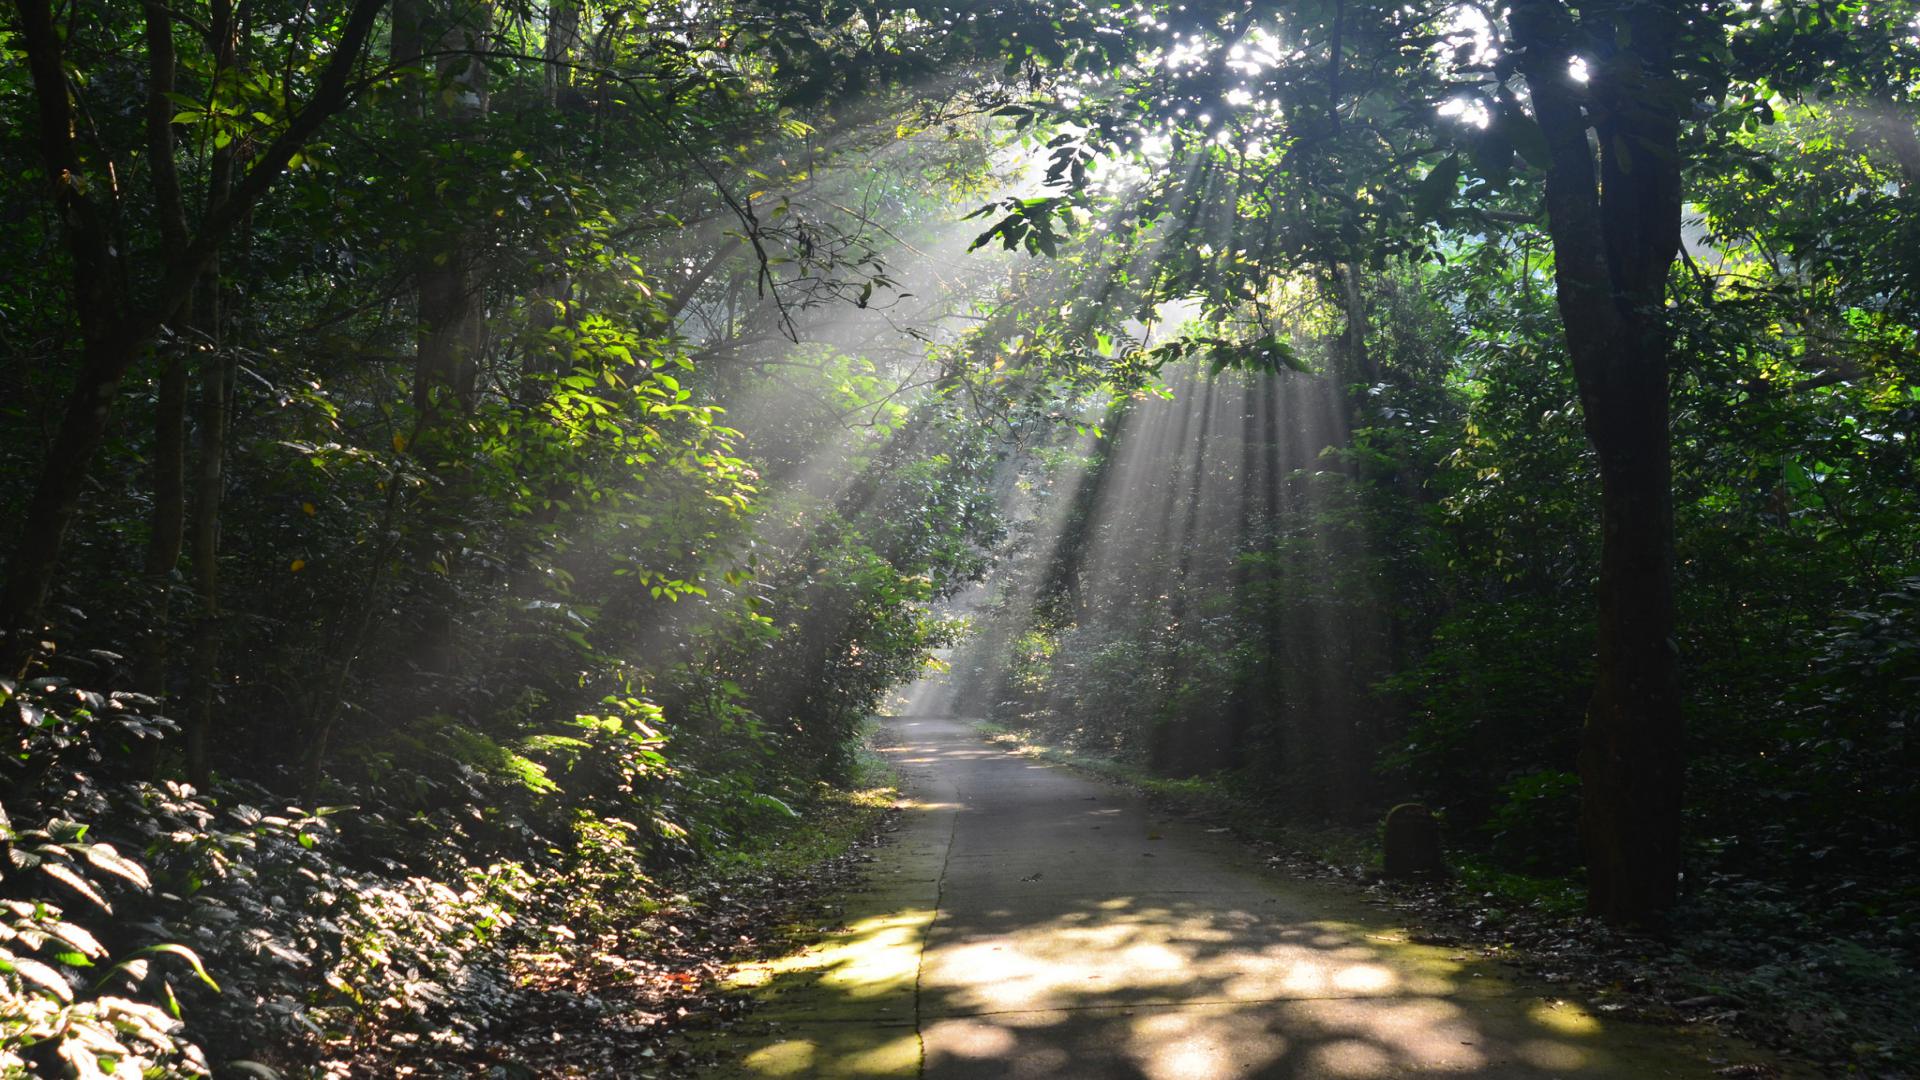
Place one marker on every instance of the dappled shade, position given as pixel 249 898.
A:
pixel 1026 923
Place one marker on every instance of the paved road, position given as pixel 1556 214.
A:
pixel 1033 923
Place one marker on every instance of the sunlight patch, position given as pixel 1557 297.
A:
pixel 1564 1017
pixel 1364 979
pixel 790 1058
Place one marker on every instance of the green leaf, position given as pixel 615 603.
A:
pixel 192 958
pixel 768 802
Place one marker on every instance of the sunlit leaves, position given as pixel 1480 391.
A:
pixel 66 875
pixel 1266 353
pixel 1035 223
pixel 104 857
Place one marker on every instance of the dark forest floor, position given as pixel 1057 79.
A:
pixel 616 1005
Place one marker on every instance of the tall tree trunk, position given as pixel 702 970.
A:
pixel 563 38
pixel 211 419
pixel 209 487
pixel 406 44
pixel 1613 209
pixel 1632 756
pixel 1362 368
pixel 166 534
pixel 551 297
pixel 167 524
pixel 452 334
pixel 452 338
pixel 104 356
pixel 1361 372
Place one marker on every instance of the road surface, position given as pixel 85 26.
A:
pixel 1030 922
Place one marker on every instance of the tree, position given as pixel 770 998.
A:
pixel 1613 212
pixel 115 323
pixel 1337 132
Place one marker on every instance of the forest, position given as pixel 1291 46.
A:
pixel 473 469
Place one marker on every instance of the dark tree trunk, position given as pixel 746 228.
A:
pixel 210 418
pixel 167 524
pixel 104 357
pixel 1613 209
pixel 166 535
pixel 563 38
pixel 1632 757
pixel 209 486
pixel 1362 368
pixel 452 334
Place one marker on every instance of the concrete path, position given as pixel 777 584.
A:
pixel 1032 923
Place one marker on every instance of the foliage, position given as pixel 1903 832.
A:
pixel 68 998
pixel 464 494
pixel 550 432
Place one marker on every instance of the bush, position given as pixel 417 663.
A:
pixel 1535 827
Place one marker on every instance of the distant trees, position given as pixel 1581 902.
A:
pixel 1319 138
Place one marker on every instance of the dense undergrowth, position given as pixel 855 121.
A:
pixel 149 922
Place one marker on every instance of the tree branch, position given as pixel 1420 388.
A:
pixel 329 98
pixel 84 227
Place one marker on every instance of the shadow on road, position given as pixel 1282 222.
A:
pixel 1030 923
